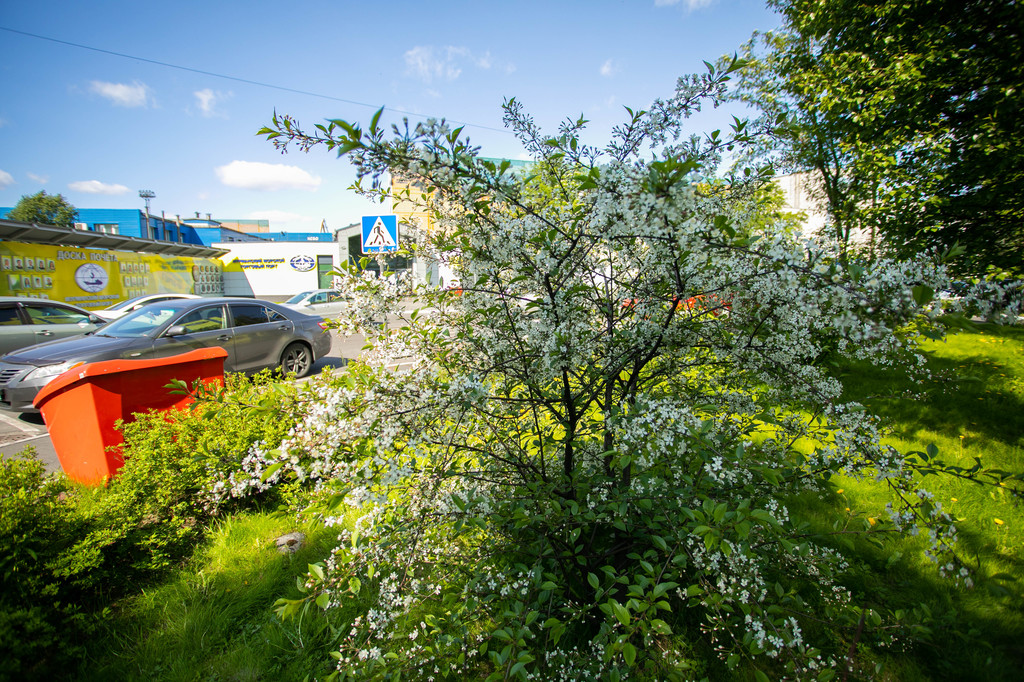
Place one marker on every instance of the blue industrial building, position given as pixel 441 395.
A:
pixel 129 222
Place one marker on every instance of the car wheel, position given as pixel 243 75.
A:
pixel 296 358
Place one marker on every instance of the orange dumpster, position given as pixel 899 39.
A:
pixel 81 405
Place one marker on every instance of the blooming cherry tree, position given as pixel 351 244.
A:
pixel 586 466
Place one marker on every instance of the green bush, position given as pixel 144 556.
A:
pixel 39 613
pixel 67 553
pixel 158 506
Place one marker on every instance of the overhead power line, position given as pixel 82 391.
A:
pixel 247 81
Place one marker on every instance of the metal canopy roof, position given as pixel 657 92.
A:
pixel 66 236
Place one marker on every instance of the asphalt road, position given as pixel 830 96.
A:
pixel 20 431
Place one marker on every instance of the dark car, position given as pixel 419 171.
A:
pixel 27 321
pixel 256 334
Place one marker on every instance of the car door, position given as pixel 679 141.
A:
pixel 327 303
pixel 14 333
pixel 51 321
pixel 204 327
pixel 261 335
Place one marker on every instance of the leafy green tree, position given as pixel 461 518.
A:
pixel 909 115
pixel 45 209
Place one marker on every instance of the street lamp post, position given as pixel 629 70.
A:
pixel 147 195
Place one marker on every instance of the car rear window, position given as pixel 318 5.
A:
pixel 245 315
pixel 9 316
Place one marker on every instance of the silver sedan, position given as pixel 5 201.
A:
pixel 325 302
pixel 256 334
pixel 28 321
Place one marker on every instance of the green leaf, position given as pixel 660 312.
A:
pixel 621 613
pixel 629 654
pixel 270 471
pixel 661 627
pixel 923 294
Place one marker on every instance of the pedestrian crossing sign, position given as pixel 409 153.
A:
pixel 380 234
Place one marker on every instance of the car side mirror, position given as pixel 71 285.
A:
pixel 96 319
pixel 176 330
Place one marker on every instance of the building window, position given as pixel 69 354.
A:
pixel 106 228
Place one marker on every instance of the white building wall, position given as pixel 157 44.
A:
pixel 800 197
pixel 274 270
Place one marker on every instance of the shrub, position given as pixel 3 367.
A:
pixel 41 620
pixel 66 553
pixel 157 507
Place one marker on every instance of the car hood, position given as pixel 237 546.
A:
pixel 89 348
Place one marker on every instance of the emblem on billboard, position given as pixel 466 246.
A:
pixel 91 277
pixel 303 263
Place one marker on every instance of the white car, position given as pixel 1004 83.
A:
pixel 124 307
pixel 323 302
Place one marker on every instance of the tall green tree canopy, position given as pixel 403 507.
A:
pixel 910 113
pixel 43 208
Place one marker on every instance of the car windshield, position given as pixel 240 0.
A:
pixel 142 322
pixel 298 298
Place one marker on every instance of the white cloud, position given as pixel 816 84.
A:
pixel 286 221
pixel 266 176
pixel 272 215
pixel 122 95
pixel 41 179
pixel 690 5
pixel 429 63
pixel 609 69
pixel 5 179
pixel 207 101
pixel 97 187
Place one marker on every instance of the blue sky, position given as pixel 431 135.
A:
pixel 98 127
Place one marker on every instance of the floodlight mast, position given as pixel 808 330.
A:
pixel 147 194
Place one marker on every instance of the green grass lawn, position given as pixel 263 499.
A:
pixel 214 619
pixel 971 407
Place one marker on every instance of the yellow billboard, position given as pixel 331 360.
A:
pixel 96 278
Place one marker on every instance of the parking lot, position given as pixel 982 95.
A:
pixel 19 431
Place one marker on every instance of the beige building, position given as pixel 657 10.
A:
pixel 409 203
pixel 247 226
